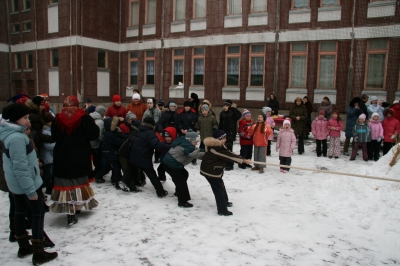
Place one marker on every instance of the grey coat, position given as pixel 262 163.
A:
pixel 98 120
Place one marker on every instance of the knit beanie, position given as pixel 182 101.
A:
pixel 38 100
pixel 48 117
pixel 373 98
pixel 15 111
pixel 136 96
pixel 161 102
pixel 219 134
pixel 192 136
pixel 246 112
pixel 205 107
pixel 171 103
pixel 374 114
pixel 286 121
pixel 116 98
pixel 321 112
pixel 395 101
pixel 101 110
pixel 363 116
pixel 186 103
pixel 149 120
pixel 228 103
pixel 130 116
pixel 266 109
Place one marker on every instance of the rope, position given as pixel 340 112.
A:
pixel 328 172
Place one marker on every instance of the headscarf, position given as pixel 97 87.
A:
pixel 70 116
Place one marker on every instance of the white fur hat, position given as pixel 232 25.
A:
pixel 374 114
pixel 136 96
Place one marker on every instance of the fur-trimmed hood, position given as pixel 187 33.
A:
pixel 205 102
pixel 114 123
pixel 144 124
pixel 211 142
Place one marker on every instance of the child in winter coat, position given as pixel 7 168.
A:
pixel 206 124
pixel 391 127
pixel 319 128
pixel 168 135
pixel 261 131
pixel 361 135
pixel 376 137
pixel 46 154
pixel 285 144
pixel 246 140
pixel 270 121
pixel 335 125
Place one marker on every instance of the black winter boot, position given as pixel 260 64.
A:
pixel 72 219
pixel 12 230
pixel 39 255
pixel 25 248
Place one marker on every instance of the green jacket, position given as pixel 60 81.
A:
pixel 206 125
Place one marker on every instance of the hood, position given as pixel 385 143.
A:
pixel 178 141
pixel 205 102
pixel 110 124
pixel 144 126
pixel 32 106
pixel 387 111
pixel 171 131
pixel 211 142
pixel 96 116
pixel 298 98
pixel 8 128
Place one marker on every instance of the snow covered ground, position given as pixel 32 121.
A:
pixel 298 218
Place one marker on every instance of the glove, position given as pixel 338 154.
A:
pixel 378 139
pixel 393 136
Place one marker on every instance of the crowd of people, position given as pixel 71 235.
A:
pixel 60 154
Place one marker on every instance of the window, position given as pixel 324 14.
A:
pixel 180 6
pixel 101 59
pixel 26 25
pixel 377 53
pixel 54 58
pixel 300 4
pixel 29 60
pixel 198 66
pixel 15 28
pixel 14 5
pixel 298 65
pixel 53 1
pixel 258 6
pixel 330 2
pixel 27 4
pixel 178 61
pixel 232 65
pixel 234 7
pixel 134 9
pixel 150 67
pixel 133 66
pixel 151 12
pixel 17 61
pixel 327 65
pixel 257 65
pixel 200 7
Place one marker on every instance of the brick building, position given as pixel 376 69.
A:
pixel 243 50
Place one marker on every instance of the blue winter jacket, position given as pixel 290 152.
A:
pixel 352 116
pixel 182 152
pixel 20 162
pixel 46 151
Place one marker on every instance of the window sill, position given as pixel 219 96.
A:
pixel 25 10
pixel 231 92
pixel 15 33
pixel 17 71
pixel 300 11
pixel 14 13
pixel 52 4
pixel 233 21
pixel 28 70
pixel 329 8
pixel 300 16
pixel 381 9
pixel 101 69
pixel 198 24
pixel 293 93
pixel 178 22
pixel 26 31
pixel 255 93
pixel 258 19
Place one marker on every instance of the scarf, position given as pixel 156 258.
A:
pixel 70 116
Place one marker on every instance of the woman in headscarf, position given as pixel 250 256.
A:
pixel 72 130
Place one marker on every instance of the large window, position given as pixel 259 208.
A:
pixel 257 65
pixel 198 66
pixel 199 8
pixel 27 25
pixel 54 58
pixel 298 65
pixel 17 61
pixel 101 59
pixel 178 59
pixel 232 65
pixel 327 65
pixel 150 67
pixel 27 4
pixel 15 28
pixel 133 68
pixel 14 5
pixel 300 4
pixel 330 2
pixel 258 6
pixel 134 12
pixel 29 60
pixel 234 7
pixel 151 12
pixel 180 6
pixel 377 53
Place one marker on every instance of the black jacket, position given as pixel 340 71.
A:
pixel 112 139
pixel 143 147
pixel 274 105
pixel 168 119
pixel 125 149
pixel 228 122
pixel 187 120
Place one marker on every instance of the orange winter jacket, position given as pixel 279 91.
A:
pixel 138 109
pixel 261 139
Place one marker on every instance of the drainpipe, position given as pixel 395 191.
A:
pixel 36 52
pixel 70 49
pixel 161 96
pixel 9 51
pixel 350 70
pixel 82 81
pixel 119 52
pixel 276 70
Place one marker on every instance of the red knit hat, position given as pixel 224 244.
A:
pixel 116 98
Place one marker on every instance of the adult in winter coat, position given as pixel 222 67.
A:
pixel 375 107
pixel 22 174
pixel 363 106
pixel 152 110
pixel 195 102
pixel 142 152
pixel 273 104
pixel 183 151
pixel 246 139
pixel 97 116
pixel 396 109
pixel 206 124
pixel 187 119
pixel 116 109
pixel 212 168
pixel 298 115
pixel 353 112
pixel 228 122
pixel 112 141
pixel 309 109
pixel 391 129
pixel 320 131
pixel 169 118
pixel 137 106
pixel 73 129
pixel 326 106
pixel 207 102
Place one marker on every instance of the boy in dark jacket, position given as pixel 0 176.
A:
pixel 228 122
pixel 169 118
pixel 212 168
pixel 168 135
pixel 187 119
pixel 183 151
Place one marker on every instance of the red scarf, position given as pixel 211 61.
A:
pixel 70 116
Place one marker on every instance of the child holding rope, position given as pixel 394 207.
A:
pixel 285 144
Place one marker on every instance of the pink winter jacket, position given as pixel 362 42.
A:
pixel 319 128
pixel 270 121
pixel 337 125
pixel 376 129
pixel 286 142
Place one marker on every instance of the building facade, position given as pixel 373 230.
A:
pixel 243 50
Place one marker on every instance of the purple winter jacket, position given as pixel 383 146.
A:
pixel 319 128
pixel 338 125
pixel 376 129
pixel 270 121
pixel 286 142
